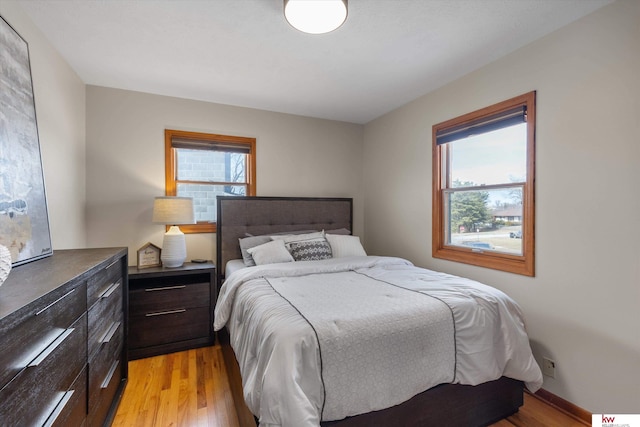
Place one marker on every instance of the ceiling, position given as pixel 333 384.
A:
pixel 244 53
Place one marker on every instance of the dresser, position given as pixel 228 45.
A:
pixel 63 326
pixel 170 309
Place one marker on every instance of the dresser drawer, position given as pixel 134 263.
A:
pixel 105 369
pixel 104 399
pixel 105 316
pixel 102 281
pixel 155 298
pixel 39 389
pixel 72 407
pixel 162 327
pixel 39 326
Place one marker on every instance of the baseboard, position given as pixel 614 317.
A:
pixel 574 411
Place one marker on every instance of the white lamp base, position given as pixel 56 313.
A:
pixel 174 248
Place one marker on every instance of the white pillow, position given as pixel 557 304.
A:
pixel 308 237
pixel 270 253
pixel 342 246
pixel 251 242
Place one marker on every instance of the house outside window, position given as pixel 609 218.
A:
pixel 483 187
pixel 203 166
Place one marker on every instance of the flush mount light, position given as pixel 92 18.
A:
pixel 315 16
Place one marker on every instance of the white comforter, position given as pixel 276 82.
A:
pixel 295 370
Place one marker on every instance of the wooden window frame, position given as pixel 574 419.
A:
pixel 519 264
pixel 170 167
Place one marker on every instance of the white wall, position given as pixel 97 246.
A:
pixel 60 110
pixel 296 156
pixel 583 305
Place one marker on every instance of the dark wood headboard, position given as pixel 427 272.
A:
pixel 242 216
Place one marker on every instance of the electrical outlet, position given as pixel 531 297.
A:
pixel 548 367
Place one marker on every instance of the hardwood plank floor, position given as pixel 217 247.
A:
pixel 538 413
pixel 191 388
pixel 188 388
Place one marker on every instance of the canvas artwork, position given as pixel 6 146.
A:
pixel 24 223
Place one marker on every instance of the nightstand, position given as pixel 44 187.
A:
pixel 170 309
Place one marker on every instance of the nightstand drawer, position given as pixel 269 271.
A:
pixel 162 327
pixel 102 281
pixel 105 316
pixel 154 298
pixel 170 309
pixel 45 321
pixel 35 393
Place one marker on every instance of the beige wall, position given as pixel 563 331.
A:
pixel 60 110
pixel 296 156
pixel 583 305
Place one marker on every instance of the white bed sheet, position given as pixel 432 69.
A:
pixel 278 351
pixel 233 266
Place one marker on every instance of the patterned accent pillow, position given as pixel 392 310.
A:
pixel 310 250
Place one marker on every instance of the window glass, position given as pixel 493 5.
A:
pixel 485 219
pixel 211 166
pixel 496 157
pixel 204 166
pixel 483 187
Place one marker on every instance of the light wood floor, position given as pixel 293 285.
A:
pixel 191 388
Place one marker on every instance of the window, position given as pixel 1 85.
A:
pixel 204 166
pixel 483 187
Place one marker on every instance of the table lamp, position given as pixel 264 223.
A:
pixel 173 211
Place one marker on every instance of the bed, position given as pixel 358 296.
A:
pixel 320 387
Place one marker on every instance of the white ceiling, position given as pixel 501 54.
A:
pixel 243 52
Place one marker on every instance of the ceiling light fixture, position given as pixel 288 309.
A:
pixel 315 16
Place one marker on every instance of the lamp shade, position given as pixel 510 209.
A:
pixel 173 210
pixel 315 16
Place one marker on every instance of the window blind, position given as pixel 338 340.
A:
pixel 196 144
pixel 503 119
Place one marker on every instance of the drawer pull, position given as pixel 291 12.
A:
pixel 166 288
pixel 55 302
pixel 162 313
pixel 110 333
pixel 112 264
pixel 107 379
pixel 110 290
pixel 50 349
pixel 59 408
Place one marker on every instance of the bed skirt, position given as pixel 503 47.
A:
pixel 447 404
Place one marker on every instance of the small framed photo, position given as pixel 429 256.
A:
pixel 149 256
